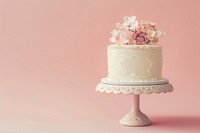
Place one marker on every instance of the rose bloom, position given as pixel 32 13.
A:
pixel 140 37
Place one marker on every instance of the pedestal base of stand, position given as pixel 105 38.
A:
pixel 135 119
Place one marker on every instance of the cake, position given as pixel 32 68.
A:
pixel 134 60
pixel 134 54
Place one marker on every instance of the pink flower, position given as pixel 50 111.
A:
pixel 148 25
pixel 140 37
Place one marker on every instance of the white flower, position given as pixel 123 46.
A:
pixel 158 33
pixel 134 25
pixel 129 20
pixel 130 23
pixel 125 36
pixel 120 36
pixel 119 26
pixel 113 39
pixel 151 33
pixel 115 33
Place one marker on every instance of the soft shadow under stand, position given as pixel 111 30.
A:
pixel 135 117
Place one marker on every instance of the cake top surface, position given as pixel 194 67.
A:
pixel 155 48
pixel 134 32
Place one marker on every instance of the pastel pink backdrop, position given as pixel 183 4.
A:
pixel 53 53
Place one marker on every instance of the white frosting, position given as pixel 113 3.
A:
pixel 134 62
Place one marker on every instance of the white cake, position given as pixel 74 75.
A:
pixel 128 63
pixel 135 55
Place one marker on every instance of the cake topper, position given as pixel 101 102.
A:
pixel 133 32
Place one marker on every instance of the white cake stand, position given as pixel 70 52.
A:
pixel 135 117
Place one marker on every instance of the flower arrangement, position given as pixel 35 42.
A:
pixel 132 32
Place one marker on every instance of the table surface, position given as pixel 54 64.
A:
pixel 59 111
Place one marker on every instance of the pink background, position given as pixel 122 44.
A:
pixel 53 53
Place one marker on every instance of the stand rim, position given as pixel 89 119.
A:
pixel 132 89
pixel 134 83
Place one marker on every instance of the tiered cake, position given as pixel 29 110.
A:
pixel 134 55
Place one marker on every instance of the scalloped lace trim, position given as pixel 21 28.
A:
pixel 148 89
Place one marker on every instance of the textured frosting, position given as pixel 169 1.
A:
pixel 134 62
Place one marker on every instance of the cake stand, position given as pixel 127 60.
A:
pixel 135 117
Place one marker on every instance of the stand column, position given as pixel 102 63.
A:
pixel 136 103
pixel 135 117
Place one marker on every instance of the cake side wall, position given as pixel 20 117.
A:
pixel 134 62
